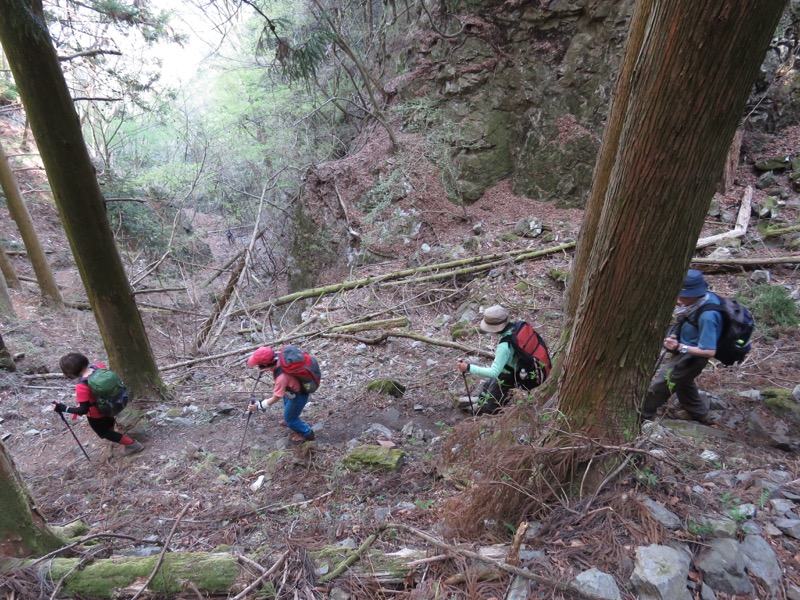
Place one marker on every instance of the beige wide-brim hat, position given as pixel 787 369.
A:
pixel 495 319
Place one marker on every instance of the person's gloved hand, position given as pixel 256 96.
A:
pixel 255 405
pixel 59 407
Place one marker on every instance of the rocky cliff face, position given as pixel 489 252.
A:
pixel 527 86
pixel 514 91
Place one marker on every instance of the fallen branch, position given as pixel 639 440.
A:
pixel 490 260
pixel 776 231
pixel 552 583
pixel 257 582
pixel 776 260
pixel 163 552
pixel 739 229
pixel 370 325
pixel 156 291
pixel 412 336
pixel 350 559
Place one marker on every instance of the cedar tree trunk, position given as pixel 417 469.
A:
pixel 9 274
pixel 23 530
pixel 685 77
pixel 6 306
pixel 19 212
pixel 55 126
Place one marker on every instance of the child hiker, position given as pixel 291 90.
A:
pixel 286 388
pixel 76 366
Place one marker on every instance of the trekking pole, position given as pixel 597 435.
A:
pixel 249 414
pixel 466 385
pixel 75 436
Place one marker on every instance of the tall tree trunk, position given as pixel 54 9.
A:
pixel 687 71
pixel 23 530
pixel 9 274
pixel 19 212
pixel 54 122
pixel 6 306
pixel 6 360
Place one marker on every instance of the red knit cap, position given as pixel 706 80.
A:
pixel 262 357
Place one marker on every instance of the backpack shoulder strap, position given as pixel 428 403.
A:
pixel 86 379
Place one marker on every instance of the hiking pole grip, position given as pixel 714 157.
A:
pixel 249 414
pixel 75 436
pixel 469 395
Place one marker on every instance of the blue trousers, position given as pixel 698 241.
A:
pixel 292 407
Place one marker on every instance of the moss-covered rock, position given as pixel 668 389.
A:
pixel 781 403
pixel 374 458
pixel 391 387
pixel 773 164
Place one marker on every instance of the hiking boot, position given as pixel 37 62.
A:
pixel 134 448
pixel 687 416
pixel 299 438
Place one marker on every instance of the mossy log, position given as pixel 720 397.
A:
pixel 370 325
pixel 179 572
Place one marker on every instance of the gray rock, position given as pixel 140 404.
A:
pixel 532 555
pixel 796 393
pixel 792 592
pixel 597 583
pixel 779 476
pixel 723 568
pixel 405 506
pixel 31 432
pixel 347 544
pixel 419 408
pixel 717 527
pixel 751 528
pixel 760 276
pixel 298 497
pixel 781 506
pixel 382 514
pixel 528 227
pixel 520 588
pixel 743 511
pixel 706 593
pixel 721 477
pixel 360 349
pixel 477 229
pixel 379 430
pixel 660 573
pixel 752 394
pixel 790 527
pixel 339 594
pixel 762 563
pixel 668 519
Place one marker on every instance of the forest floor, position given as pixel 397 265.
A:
pixel 307 498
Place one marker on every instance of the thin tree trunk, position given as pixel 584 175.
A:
pixel 6 306
pixel 675 112
pixel 23 530
pixel 19 212
pixel 48 105
pixel 6 360
pixel 9 274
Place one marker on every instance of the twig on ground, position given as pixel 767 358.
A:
pixel 163 552
pixel 261 578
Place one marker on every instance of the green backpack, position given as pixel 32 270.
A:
pixel 110 393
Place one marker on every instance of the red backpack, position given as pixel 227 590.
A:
pixel 533 359
pixel 302 366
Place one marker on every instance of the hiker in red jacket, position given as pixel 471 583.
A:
pixel 76 366
pixel 286 388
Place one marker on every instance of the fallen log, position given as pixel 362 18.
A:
pixel 370 325
pixel 766 260
pixel 487 261
pixel 776 231
pixel 412 336
pixel 742 220
pixel 179 573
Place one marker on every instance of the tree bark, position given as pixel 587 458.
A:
pixel 676 109
pixel 19 212
pixel 23 530
pixel 9 274
pixel 6 360
pixel 55 126
pixel 6 306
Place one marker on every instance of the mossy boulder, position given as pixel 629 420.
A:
pixel 392 387
pixel 780 163
pixel 371 458
pixel 781 403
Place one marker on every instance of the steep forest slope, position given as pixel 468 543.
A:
pixel 383 210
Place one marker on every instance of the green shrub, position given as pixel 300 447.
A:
pixel 772 307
